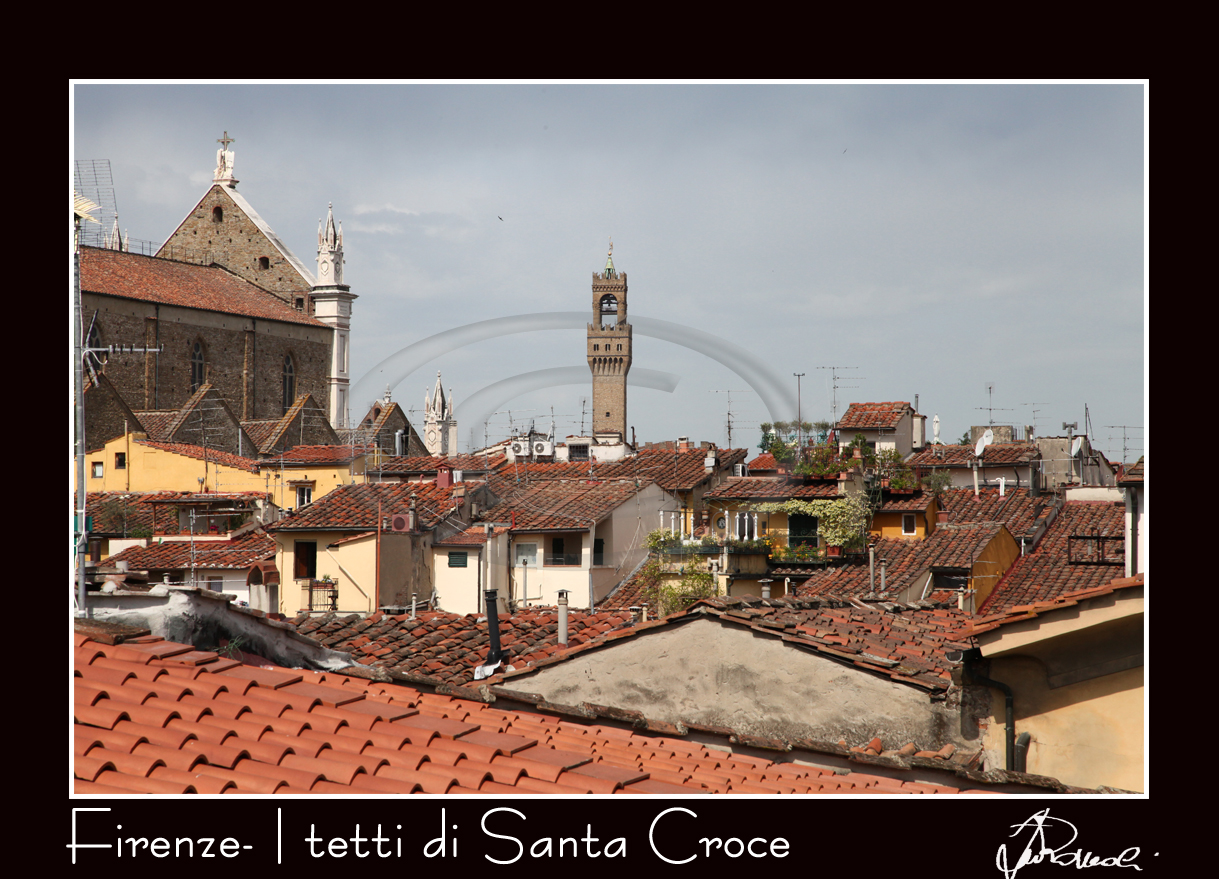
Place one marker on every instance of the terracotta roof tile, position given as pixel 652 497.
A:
pixel 167 282
pixel 996 454
pixel 1048 572
pixel 873 415
pixel 199 453
pixel 772 488
pixel 243 552
pixel 354 507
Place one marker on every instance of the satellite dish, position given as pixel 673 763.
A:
pixel 1076 445
pixel 985 440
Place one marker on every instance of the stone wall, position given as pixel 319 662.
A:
pixel 243 357
pixel 236 243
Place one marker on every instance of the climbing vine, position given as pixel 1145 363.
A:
pixel 840 522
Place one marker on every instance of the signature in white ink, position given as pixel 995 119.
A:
pixel 1037 849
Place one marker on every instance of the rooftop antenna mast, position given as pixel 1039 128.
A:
pixel 729 392
pixel 990 407
pixel 834 376
pixel 583 400
pixel 1125 427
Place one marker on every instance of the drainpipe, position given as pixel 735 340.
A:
pixel 562 617
pixel 1022 751
pixel 377 579
pixel 974 676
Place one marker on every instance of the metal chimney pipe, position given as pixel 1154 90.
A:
pixel 491 600
pixel 871 567
pixel 882 575
pixel 562 617
pixel 765 584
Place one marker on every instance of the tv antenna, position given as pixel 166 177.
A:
pixel 990 406
pixel 729 392
pixel 1125 427
pixel 834 377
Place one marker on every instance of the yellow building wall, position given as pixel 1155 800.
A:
pixel 456 588
pixel 991 564
pixel 1087 734
pixel 352 565
pixel 150 469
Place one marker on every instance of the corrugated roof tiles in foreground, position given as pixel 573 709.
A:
pixel 154 716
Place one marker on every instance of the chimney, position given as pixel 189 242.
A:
pixel 492 604
pixel 444 477
pixel 683 444
pixel 871 567
pixel 882 575
pixel 412 514
pixel 562 617
pixel 765 584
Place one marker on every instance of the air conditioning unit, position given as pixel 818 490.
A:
pixel 543 448
pixel 740 469
pixel 400 522
pixel 520 449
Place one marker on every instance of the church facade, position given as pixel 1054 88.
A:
pixel 228 304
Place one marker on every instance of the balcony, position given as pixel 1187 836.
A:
pixel 563 559
pixel 319 596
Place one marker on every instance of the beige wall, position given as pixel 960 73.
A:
pixel 460 590
pixel 704 671
pixel 1078 686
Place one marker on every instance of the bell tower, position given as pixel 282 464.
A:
pixel 609 350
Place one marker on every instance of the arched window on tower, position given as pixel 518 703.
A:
pixel 217 214
pixel 196 366
pixel 289 383
pixel 609 310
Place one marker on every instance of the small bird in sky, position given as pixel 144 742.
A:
pixel 846 150
pixel 501 219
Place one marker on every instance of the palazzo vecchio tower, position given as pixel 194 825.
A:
pixel 609 350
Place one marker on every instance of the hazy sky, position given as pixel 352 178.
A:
pixel 935 237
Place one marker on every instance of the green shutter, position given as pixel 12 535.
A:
pixel 457 559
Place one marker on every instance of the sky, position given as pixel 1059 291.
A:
pixel 913 240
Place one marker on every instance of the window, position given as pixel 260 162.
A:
pixel 289 383
pixel 619 347
pixel 596 347
pixel 98 470
pixel 264 263
pixel 598 551
pixel 215 584
pixel 908 523
pixel 300 302
pixel 578 451
pixel 458 559
pixel 304 495
pixel 94 341
pixel 217 214
pixel 196 367
pixel 120 460
pixel 305 559
pixel 526 554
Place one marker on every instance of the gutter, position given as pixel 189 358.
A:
pixel 973 675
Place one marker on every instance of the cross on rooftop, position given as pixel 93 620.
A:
pixel 226 140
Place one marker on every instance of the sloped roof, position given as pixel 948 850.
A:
pixel 475 535
pixel 1133 474
pixel 772 488
pixel 764 462
pixel 989 622
pixel 555 505
pixel 242 552
pixel 354 507
pixel 156 422
pixel 181 284
pixel 1016 509
pixel 915 502
pixel 949 546
pixel 872 416
pixel 215 456
pixel 908 645
pixel 448 647
pixel 996 454
pixel 155 716
pixel 1044 574
pixel 121 512
pixel 429 463
pixel 320 455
